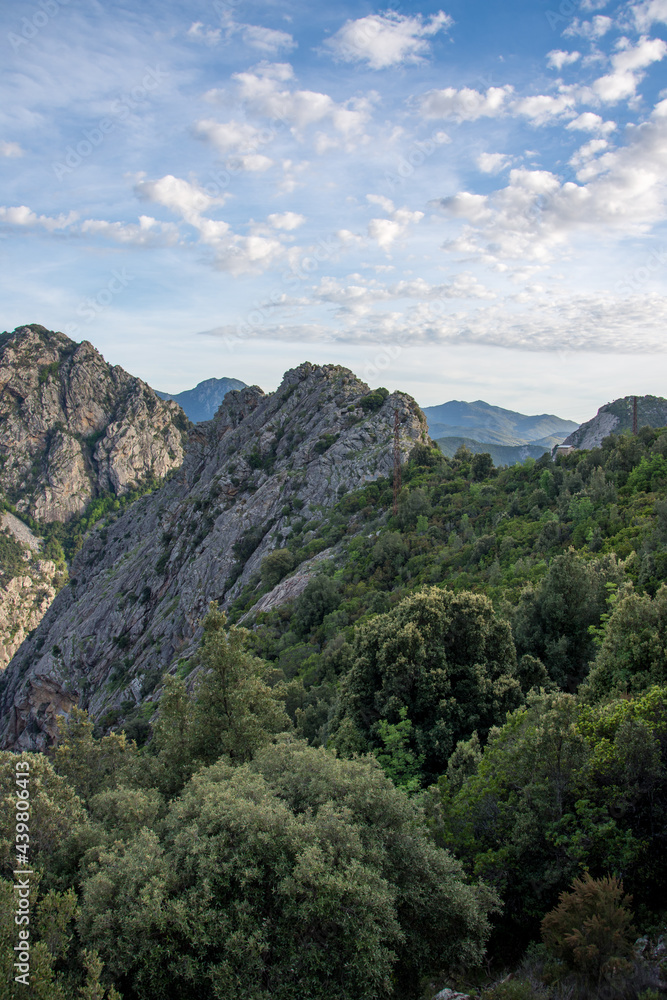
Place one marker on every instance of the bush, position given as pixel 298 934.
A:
pixel 275 566
pixel 591 928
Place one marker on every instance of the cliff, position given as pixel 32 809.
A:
pixel 73 427
pixel 141 584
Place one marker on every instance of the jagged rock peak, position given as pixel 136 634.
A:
pixel 73 426
pixel 139 587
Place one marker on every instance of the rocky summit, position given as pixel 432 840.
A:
pixel 617 417
pixel 140 585
pixel 73 427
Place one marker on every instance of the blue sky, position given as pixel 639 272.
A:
pixel 463 201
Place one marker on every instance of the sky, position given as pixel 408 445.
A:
pixel 462 201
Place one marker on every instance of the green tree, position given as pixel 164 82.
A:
pixel 633 653
pixel 231 712
pixel 275 566
pixel 397 760
pixel 552 621
pixel 295 875
pixel 446 658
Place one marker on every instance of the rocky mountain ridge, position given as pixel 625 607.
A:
pixel 617 417
pixel 261 469
pixel 73 427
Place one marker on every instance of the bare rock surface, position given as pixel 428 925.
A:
pixel 617 417
pixel 73 426
pixel 140 586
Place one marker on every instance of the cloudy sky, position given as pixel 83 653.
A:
pixel 464 201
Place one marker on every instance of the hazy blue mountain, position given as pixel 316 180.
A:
pixel 479 421
pixel 502 454
pixel 202 402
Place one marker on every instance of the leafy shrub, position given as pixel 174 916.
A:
pixel 374 400
pixel 325 443
pixel 275 566
pixel 591 928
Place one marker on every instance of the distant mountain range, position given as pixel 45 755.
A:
pixel 202 402
pixel 479 421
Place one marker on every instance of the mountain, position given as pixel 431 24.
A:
pixel 73 427
pixel 479 421
pixel 502 454
pixel 617 417
pixel 266 467
pixel 201 402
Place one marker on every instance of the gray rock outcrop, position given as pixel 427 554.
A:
pixel 616 417
pixel 140 585
pixel 73 426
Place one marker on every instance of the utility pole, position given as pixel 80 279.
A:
pixel 634 415
pixel 397 462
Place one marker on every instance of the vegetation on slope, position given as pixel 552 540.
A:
pixel 453 744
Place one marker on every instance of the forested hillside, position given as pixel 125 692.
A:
pixel 443 762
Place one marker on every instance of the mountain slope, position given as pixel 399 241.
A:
pixel 617 417
pixel 73 426
pixel 480 421
pixel 257 473
pixel 201 402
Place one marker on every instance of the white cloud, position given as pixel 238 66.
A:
pixel 388 39
pixel 386 204
pixel 622 191
pixel 593 29
pixel 149 232
pixel 210 36
pixel 260 92
pixel 584 155
pixel 230 136
pixel 267 40
pixel 541 108
pixel 252 163
pixel 492 163
pixel 180 196
pixel 650 12
pixel 589 122
pixel 21 215
pixel 627 64
pixel 387 231
pixel 557 58
pixel 465 104
pixel 10 149
pixel 286 220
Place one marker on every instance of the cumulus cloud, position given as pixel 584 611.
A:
pixel 542 108
pixel 557 58
pixel 261 94
pixel 627 65
pixel 387 231
pixel 650 12
pixel 21 215
pixel 286 220
pixel 465 104
pixel 387 39
pixel 593 29
pixel 589 122
pixel 210 36
pixel 231 136
pixel 180 196
pixel 148 232
pixel 492 163
pixel 10 149
pixel 623 191
pixel 265 40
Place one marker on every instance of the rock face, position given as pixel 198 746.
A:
pixel 140 586
pixel 201 402
pixel 72 426
pixel 617 417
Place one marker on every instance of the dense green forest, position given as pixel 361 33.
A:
pixel 444 762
